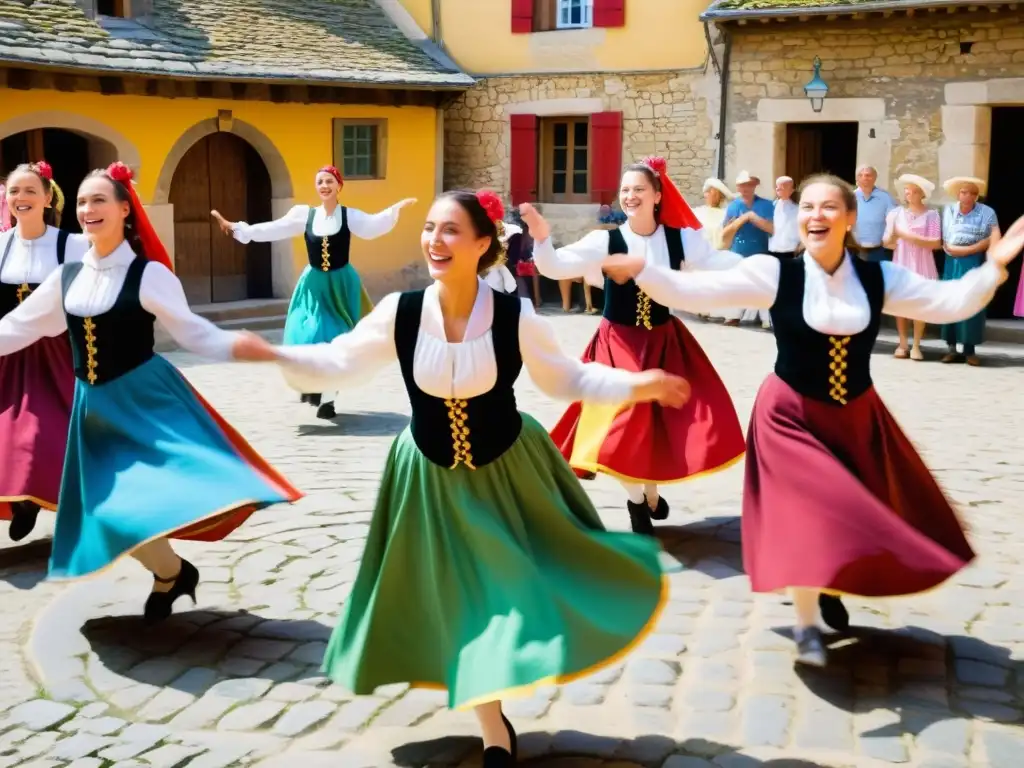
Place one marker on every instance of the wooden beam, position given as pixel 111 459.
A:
pixel 111 85
pixel 19 79
pixel 204 90
pixel 239 91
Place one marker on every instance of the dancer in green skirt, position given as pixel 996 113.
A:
pixel 487 571
pixel 329 298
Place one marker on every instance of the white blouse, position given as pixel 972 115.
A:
pixel 30 261
pixel 451 369
pixel 584 258
pixel 363 225
pixel 94 291
pixel 833 304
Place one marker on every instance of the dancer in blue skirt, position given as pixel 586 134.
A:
pixel 147 458
pixel 329 298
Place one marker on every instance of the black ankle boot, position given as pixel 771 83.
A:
pixel 326 411
pixel 660 511
pixel 23 519
pixel 313 399
pixel 498 757
pixel 833 612
pixel 159 604
pixel 640 518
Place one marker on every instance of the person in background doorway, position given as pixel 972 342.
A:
pixel 520 261
pixel 969 229
pixel 711 216
pixel 913 233
pixel 785 238
pixel 749 222
pixel 873 206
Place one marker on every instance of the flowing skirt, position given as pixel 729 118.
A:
pixel 972 330
pixel 646 442
pixel 489 582
pixel 325 305
pixel 148 458
pixel 837 499
pixel 37 387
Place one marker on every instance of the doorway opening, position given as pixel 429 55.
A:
pixel 821 148
pixel 1006 165
pixel 220 172
pixel 73 156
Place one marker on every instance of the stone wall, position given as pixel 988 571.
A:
pixel 674 114
pixel 907 61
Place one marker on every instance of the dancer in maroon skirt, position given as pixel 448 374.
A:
pixel 37 384
pixel 645 444
pixel 836 499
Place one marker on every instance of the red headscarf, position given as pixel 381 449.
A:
pixel 152 248
pixel 675 212
pixel 334 172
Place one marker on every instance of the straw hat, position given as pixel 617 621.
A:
pixel 718 184
pixel 952 186
pixel 918 181
pixel 745 178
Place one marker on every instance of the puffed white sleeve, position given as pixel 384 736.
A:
pixel 753 284
pixel 908 294
pixel 292 224
pixel 41 314
pixel 368 226
pixel 563 377
pixel 581 259
pixel 500 279
pixel 352 358
pixel 77 247
pixel 700 254
pixel 161 295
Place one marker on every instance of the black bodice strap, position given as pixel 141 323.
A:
pixel 626 304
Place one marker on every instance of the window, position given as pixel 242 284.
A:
pixel 116 8
pixel 574 13
pixel 359 148
pixel 565 159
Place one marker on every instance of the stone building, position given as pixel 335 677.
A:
pixel 570 90
pixel 921 86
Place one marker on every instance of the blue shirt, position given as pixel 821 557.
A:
pixel 749 240
pixel 967 228
pixel 871 213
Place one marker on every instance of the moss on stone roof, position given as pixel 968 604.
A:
pixel 339 41
pixel 724 9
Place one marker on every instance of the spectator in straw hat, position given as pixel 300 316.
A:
pixel 711 215
pixel 914 233
pixel 969 229
pixel 748 225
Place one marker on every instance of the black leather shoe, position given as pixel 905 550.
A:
pixel 498 757
pixel 326 411
pixel 23 519
pixel 660 511
pixel 587 475
pixel 640 518
pixel 833 612
pixel 159 604
pixel 313 399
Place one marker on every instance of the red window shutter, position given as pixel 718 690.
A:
pixel 524 159
pixel 522 16
pixel 606 156
pixel 609 13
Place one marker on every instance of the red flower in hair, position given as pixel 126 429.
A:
pixel 118 171
pixel 44 169
pixel 491 204
pixel 656 164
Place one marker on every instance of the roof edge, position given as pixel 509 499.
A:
pixel 714 14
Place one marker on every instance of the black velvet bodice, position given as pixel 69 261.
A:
pixel 626 304
pixel 327 254
pixel 12 295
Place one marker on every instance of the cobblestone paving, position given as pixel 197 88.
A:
pixel 934 681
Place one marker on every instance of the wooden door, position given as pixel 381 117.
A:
pixel 193 228
pixel 803 151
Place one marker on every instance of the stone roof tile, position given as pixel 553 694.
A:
pixel 329 41
pixel 739 9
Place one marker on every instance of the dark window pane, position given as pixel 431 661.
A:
pixel 579 182
pixel 558 184
pixel 560 162
pixel 349 168
pixel 579 135
pixel 579 160
pixel 561 134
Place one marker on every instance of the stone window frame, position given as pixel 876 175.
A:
pixel 547 15
pixel 380 144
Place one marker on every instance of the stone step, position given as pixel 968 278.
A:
pixel 235 310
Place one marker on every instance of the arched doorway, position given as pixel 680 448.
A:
pixel 71 153
pixel 220 171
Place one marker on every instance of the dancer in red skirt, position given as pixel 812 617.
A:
pixel 645 444
pixel 37 384
pixel 836 500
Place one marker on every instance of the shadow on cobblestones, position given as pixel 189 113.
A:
pixel 376 424
pixel 35 553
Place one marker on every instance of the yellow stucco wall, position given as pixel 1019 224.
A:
pixel 659 35
pixel 422 12
pixel 301 134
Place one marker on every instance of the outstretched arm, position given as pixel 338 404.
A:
pixel 369 226
pixel 700 254
pixel 41 314
pixel 581 259
pixel 352 358
pixel 292 224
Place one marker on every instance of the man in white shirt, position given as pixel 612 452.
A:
pixel 785 239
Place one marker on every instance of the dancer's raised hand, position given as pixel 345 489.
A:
pixel 250 348
pixel 623 267
pixel 665 388
pixel 1009 245
pixel 539 229
pixel 403 203
pixel 227 227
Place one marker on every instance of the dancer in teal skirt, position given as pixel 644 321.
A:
pixel 486 571
pixel 329 298
pixel 147 459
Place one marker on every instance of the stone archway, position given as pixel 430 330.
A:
pixel 118 147
pixel 281 189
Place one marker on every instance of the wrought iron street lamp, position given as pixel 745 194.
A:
pixel 817 89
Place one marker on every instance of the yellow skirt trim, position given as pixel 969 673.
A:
pixel 527 689
pixel 50 506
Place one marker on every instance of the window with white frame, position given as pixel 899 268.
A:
pixel 575 13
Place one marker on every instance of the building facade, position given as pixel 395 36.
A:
pixel 921 86
pixel 570 90
pixel 232 106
